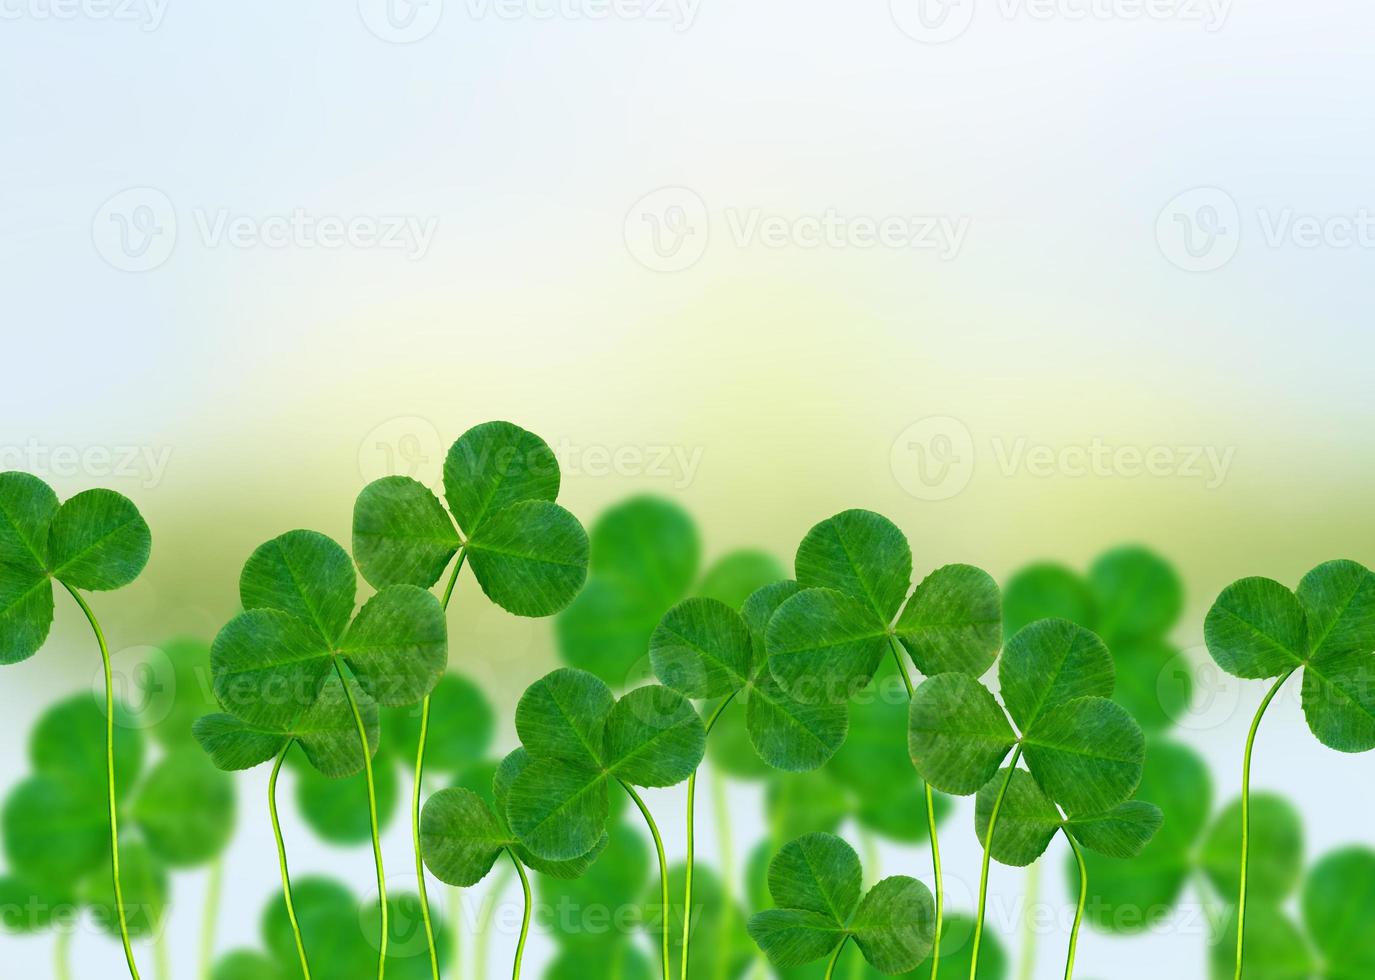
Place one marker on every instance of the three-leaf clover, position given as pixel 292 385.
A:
pixel 528 554
pixel 95 542
pixel 817 882
pixel 579 738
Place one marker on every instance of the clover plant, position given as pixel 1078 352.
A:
pixel 94 542
pixel 299 667
pixel 816 883
pixel 1258 629
pixel 826 642
pixel 1084 753
pixel 528 554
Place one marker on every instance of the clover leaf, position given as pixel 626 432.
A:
pixel 528 554
pixel 1085 751
pixel 1337 896
pixel 96 542
pixel 825 643
pixel 270 662
pixel 185 809
pixel 1260 629
pixel 580 737
pixel 816 884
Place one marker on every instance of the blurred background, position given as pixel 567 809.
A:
pixel 1033 280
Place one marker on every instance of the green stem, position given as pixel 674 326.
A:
pixel 485 921
pixel 663 870
pixel 110 777
pixel 372 816
pixel 1026 967
pixel 930 827
pixel 525 920
pixel 988 853
pixel 1079 910
pixel 1246 814
pixel 725 845
pixel 164 965
pixel 213 886
pixel 62 969
pixel 691 848
pixel 456 929
pixel 835 958
pixel 281 858
pixel 415 793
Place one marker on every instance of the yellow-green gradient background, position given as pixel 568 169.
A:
pixel 274 376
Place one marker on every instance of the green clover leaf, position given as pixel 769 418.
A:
pixel 96 541
pixel 185 809
pixel 1337 897
pixel 1259 629
pixel 529 555
pixel 816 884
pixel 579 737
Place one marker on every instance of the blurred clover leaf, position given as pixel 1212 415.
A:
pixel 528 554
pixel 816 884
pixel 1132 599
pixel 717 926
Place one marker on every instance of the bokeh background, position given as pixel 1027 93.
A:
pixel 1033 281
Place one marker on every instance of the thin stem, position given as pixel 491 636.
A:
pixel 1079 911
pixel 110 777
pixel 988 853
pixel 525 920
pixel 1246 815
pixel 213 886
pixel 691 846
pixel 164 964
pixel 1026 967
pixel 62 953
pixel 724 844
pixel 485 921
pixel 372 816
pixel 663 870
pixel 415 793
pixel 835 958
pixel 281 858
pixel 930 826
pixel 456 928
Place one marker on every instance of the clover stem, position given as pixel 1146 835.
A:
pixel 160 952
pixel 110 776
pixel 930 826
pixel 1026 966
pixel 62 969
pixel 1246 814
pixel 663 869
pixel 489 902
pixel 455 926
pixel 415 791
pixel 525 921
pixel 1079 910
pixel 835 958
pixel 691 849
pixel 726 848
pixel 988 853
pixel 372 816
pixel 213 887
pixel 281 857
